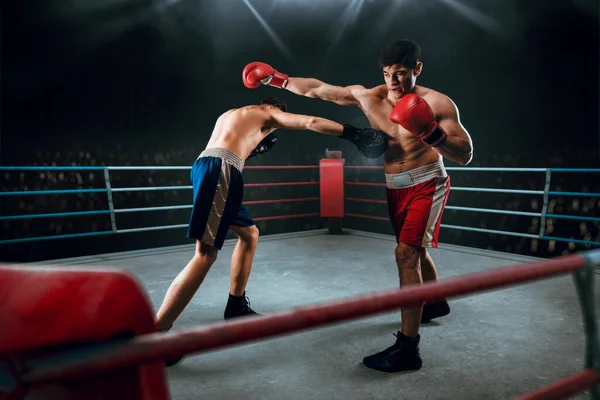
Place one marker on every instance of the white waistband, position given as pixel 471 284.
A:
pixel 226 155
pixel 416 176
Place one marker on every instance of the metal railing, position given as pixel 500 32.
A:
pixel 112 211
pixel 543 215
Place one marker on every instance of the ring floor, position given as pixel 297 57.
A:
pixel 493 345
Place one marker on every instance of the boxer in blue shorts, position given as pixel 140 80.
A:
pixel 218 185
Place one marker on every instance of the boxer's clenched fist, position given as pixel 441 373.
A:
pixel 371 143
pixel 256 73
pixel 414 114
pixel 265 145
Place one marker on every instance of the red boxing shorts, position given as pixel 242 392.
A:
pixel 416 201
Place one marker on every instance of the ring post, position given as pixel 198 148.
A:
pixel 332 190
pixel 584 282
pixel 545 203
pixel 113 222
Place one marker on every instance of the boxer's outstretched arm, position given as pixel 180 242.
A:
pixel 371 143
pixel 306 122
pixel 314 88
pixel 458 147
pixel 257 73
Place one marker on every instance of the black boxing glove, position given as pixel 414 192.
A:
pixel 265 145
pixel 371 143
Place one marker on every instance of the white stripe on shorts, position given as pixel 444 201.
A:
pixel 436 211
pixel 218 205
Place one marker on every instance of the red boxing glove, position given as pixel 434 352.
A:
pixel 414 114
pixel 256 73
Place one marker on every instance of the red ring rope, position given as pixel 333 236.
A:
pixel 279 184
pixel 161 346
pixel 281 200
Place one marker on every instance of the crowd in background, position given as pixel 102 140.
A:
pixel 121 155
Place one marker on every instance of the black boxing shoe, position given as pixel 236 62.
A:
pixel 434 310
pixel 238 306
pixel 173 361
pixel 402 356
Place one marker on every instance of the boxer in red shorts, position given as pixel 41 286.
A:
pixel 423 126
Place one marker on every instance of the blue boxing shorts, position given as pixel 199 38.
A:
pixel 218 191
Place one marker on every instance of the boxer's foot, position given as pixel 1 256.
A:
pixel 434 310
pixel 238 306
pixel 402 356
pixel 173 361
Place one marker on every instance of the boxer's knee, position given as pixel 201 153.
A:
pixel 206 252
pixel 248 234
pixel 408 256
pixel 425 257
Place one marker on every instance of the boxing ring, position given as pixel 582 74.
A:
pixel 486 347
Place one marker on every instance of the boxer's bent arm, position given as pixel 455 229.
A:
pixel 458 147
pixel 306 122
pixel 315 88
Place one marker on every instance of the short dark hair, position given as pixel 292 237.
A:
pixel 403 52
pixel 274 102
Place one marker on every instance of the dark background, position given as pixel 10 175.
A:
pixel 142 82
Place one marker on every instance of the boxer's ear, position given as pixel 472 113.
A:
pixel 418 68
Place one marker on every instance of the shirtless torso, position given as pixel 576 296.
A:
pixel 240 130
pixel 405 152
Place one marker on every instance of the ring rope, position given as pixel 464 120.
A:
pixel 161 346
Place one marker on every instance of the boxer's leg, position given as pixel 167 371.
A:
pixel 183 288
pixel 217 198
pixel 404 354
pixel 241 264
pixel 185 285
pixel 408 251
pixel 419 232
pixel 430 239
pixel 428 270
pixel 408 259
pixel 429 273
pixel 241 259
pixel 207 175
pixel 420 219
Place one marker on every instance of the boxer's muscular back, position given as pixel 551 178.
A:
pixel 240 130
pixel 405 152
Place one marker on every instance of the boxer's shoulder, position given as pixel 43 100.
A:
pixel 430 94
pixel 229 114
pixel 372 95
pixel 438 101
pixel 244 115
pixel 358 91
pixel 250 111
pixel 426 92
pixel 250 108
pixel 379 92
